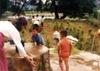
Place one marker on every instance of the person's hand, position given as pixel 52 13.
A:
pixel 29 59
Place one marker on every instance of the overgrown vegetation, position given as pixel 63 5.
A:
pixel 83 30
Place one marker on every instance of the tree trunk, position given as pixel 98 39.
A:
pixel 55 9
pixel 56 13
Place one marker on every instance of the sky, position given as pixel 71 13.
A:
pixel 44 1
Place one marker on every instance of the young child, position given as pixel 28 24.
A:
pixel 35 37
pixel 38 39
pixel 56 37
pixel 64 50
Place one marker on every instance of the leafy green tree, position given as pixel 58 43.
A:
pixel 3 6
pixel 39 4
pixel 17 7
pixel 48 6
pixel 55 5
pixel 32 2
pixel 74 8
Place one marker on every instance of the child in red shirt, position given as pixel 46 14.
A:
pixel 64 50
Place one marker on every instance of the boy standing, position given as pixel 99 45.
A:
pixel 64 50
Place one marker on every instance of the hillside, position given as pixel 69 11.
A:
pixel 79 29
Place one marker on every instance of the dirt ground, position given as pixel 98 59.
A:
pixel 74 64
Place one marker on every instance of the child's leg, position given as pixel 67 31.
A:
pixel 61 64
pixel 66 64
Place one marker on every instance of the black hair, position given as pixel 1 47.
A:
pixel 63 32
pixel 56 39
pixel 37 15
pixel 20 22
pixel 35 26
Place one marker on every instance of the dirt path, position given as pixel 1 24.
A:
pixel 74 65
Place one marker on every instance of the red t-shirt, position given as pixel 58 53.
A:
pixel 64 48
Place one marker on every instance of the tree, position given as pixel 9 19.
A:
pixel 3 6
pixel 17 6
pixel 55 8
pixel 74 8
pixel 32 2
pixel 39 5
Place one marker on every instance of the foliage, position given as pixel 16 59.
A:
pixel 3 6
pixel 40 4
pixel 81 30
pixel 94 22
pixel 32 2
pixel 75 8
pixel 47 6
